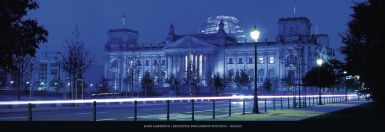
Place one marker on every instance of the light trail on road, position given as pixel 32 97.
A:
pixel 162 99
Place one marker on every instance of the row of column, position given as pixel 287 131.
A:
pixel 177 64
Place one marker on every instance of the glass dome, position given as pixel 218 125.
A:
pixel 231 26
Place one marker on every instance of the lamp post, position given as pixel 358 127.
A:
pixel 346 90
pixel 18 94
pixel 65 91
pixel 30 93
pixel 254 34
pixel 11 82
pixel 319 63
pixel 89 91
pixel 299 79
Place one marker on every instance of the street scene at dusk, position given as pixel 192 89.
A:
pixel 182 61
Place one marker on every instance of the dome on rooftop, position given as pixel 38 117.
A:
pixel 232 27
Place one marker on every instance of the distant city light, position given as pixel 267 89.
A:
pixel 357 76
pixel 68 84
pixel 11 82
pixel 345 72
pixel 27 82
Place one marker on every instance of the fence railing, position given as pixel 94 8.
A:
pixel 267 101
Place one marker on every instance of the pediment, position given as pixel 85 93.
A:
pixel 189 42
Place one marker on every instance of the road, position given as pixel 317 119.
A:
pixel 146 111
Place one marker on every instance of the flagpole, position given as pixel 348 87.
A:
pixel 294 8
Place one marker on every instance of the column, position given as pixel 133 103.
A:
pixel 198 65
pixel 168 65
pixel 173 71
pixel 182 65
pixel 204 75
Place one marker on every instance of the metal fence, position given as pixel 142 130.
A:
pixel 208 107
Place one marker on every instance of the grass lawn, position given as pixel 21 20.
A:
pixel 278 115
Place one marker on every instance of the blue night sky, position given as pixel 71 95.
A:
pixel 152 18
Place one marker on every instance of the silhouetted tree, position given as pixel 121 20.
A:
pixel 147 83
pixel 19 36
pixel 320 76
pixel 289 82
pixel 76 59
pixel 173 83
pixel 229 79
pixel 103 86
pixel 364 47
pixel 23 68
pixel 217 83
pixel 237 79
pixel 242 79
pixel 267 85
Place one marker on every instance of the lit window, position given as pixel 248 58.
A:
pixel 260 60
pixel 271 59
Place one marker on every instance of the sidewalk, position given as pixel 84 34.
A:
pixel 292 114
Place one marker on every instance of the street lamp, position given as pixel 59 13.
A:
pixel 30 93
pixel 65 91
pixel 89 92
pixel 346 90
pixel 254 34
pixel 319 63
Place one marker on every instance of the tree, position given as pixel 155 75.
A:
pixel 364 47
pixel 245 79
pixel 217 83
pixel 160 76
pixel 191 80
pixel 267 85
pixel 147 83
pixel 19 36
pixel 76 59
pixel 103 86
pixel 320 76
pixel 289 82
pixel 242 79
pixel 353 83
pixel 237 79
pixel 23 68
pixel 229 78
pixel 173 83
pixel 128 79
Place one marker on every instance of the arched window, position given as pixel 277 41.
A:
pixel 231 73
pixel 291 60
pixel 114 64
pixel 271 73
pixel 250 72
pixel 291 75
pixel 261 73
